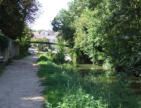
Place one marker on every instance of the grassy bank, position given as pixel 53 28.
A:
pixel 66 87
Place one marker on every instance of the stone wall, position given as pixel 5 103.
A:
pixel 11 51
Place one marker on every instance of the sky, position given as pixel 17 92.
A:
pixel 49 9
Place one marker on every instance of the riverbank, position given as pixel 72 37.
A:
pixel 68 87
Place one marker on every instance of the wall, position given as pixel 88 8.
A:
pixel 10 52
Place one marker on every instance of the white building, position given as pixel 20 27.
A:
pixel 48 34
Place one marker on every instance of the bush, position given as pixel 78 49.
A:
pixel 77 98
pixel 59 57
pixel 24 42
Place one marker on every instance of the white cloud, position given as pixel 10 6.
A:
pixel 49 10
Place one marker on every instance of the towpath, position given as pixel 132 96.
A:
pixel 19 85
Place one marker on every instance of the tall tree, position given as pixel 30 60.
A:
pixel 105 29
pixel 14 14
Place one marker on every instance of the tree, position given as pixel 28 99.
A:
pixel 107 30
pixel 62 23
pixel 123 36
pixel 15 14
pixel 24 42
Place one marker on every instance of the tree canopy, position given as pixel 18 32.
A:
pixel 14 14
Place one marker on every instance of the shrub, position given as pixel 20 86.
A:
pixel 24 42
pixel 77 98
pixel 59 57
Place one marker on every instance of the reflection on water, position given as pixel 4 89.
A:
pixel 117 92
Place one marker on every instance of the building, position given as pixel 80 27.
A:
pixel 48 34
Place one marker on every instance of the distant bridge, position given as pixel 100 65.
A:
pixel 49 43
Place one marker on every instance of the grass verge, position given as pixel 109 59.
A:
pixel 66 87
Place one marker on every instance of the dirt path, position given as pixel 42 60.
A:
pixel 20 86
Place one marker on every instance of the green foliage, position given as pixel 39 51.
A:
pixel 60 55
pixel 24 42
pixel 63 90
pixel 15 14
pixel 85 38
pixel 123 36
pixel 104 30
pixel 62 23
pixel 79 99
